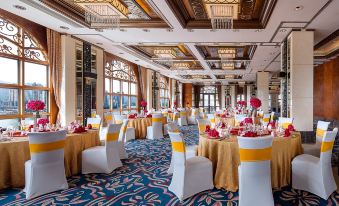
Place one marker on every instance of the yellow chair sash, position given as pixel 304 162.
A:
pixel 212 120
pixel 108 118
pixel 95 126
pixel 266 119
pixel 178 146
pixel 46 147
pixel 320 132
pixel 159 119
pixel 255 155
pixel 183 114
pixel 285 125
pixel 112 137
pixel 165 114
pixel 326 146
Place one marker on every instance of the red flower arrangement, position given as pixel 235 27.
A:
pixel 288 130
pixel 143 103
pixel 132 116
pixel 242 103
pixel 291 128
pixel 223 116
pixel 250 134
pixel 149 116
pixel 175 104
pixel 43 121
pixel 248 120
pixel 213 133
pixel 35 105
pixel 255 102
pixel 208 128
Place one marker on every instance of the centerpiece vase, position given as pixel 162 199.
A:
pixel 36 115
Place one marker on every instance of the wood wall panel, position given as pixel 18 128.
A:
pixel 187 94
pixel 326 90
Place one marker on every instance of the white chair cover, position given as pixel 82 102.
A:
pixel 191 151
pixel 103 159
pixel 130 132
pixel 122 139
pixel 194 116
pixel 155 131
pixel 284 122
pixel 314 149
pixel 95 122
pixel 202 123
pixel 190 176
pixel 255 171
pixel 45 172
pixel 315 174
pixel 182 120
pixel 272 116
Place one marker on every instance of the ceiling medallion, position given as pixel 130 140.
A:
pixel 103 14
pixel 226 53
pixel 222 12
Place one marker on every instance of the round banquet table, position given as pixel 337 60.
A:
pixel 140 125
pixel 224 155
pixel 15 153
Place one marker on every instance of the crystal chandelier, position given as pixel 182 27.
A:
pixel 103 14
pixel 226 53
pixel 227 65
pixel 222 12
pixel 181 65
pixel 164 53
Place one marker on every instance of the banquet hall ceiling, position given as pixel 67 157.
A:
pixel 187 35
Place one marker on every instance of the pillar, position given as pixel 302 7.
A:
pixel 248 94
pixel 300 67
pixel 223 98
pixel 263 90
pixel 233 97
pixel 149 89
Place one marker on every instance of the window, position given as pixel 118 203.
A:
pixel 120 88
pixel 209 98
pixel 24 74
pixel 164 96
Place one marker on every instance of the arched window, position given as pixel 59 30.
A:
pixel 120 88
pixel 24 73
pixel 164 94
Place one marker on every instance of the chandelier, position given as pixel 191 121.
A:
pixel 227 65
pixel 181 65
pixel 229 76
pixel 164 53
pixel 103 14
pixel 222 12
pixel 226 53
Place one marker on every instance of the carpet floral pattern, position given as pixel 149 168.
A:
pixel 143 180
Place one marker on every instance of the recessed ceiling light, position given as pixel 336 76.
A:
pixel 123 30
pixel 19 7
pixel 146 30
pixel 136 60
pixel 282 30
pixel 190 30
pixel 121 53
pixel 258 30
pixel 64 27
pixel 298 8
pixel 99 30
pixel 169 30
pixel 99 43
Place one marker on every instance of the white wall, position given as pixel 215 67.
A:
pixel 263 90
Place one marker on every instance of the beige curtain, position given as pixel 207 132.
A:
pixel 55 65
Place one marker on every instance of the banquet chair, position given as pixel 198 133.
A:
pixel 130 131
pixel 283 122
pixel 103 159
pixel 175 117
pixel 314 149
pixel 95 122
pixel 122 139
pixel 155 131
pixel 265 120
pixel 272 116
pixel 190 176
pixel 45 172
pixel 255 171
pixel 239 118
pixel 182 120
pixel 315 174
pixel 191 151
pixel 202 123
pixel 211 118
pixel 194 116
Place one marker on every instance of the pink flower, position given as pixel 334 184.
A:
pixel 242 103
pixel 43 121
pixel 248 120
pixel 213 133
pixel 35 105
pixel 255 102
pixel 143 103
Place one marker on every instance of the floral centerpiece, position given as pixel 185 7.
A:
pixel 143 105
pixel 255 104
pixel 213 133
pixel 35 106
pixel 43 121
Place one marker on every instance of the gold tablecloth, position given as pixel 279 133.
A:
pixel 140 125
pixel 15 153
pixel 224 155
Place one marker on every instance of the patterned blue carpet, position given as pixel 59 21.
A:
pixel 143 181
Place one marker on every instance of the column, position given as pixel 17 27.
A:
pixel 248 94
pixel 263 89
pixel 301 79
pixel 223 98
pixel 233 97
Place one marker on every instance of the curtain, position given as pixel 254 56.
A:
pixel 55 65
pixel 197 90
